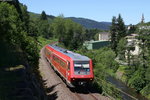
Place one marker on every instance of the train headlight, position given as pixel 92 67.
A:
pixel 73 79
pixel 91 79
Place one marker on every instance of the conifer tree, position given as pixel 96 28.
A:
pixel 121 29
pixel 118 31
pixel 43 16
pixel 113 34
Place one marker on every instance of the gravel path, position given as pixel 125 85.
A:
pixel 55 87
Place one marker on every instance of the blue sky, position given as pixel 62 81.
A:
pixel 99 10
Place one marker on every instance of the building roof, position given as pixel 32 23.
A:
pixel 132 36
pixel 91 42
pixel 73 55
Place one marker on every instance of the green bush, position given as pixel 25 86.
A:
pixel 137 81
pixel 146 91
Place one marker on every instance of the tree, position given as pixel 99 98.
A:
pixel 137 81
pixel 13 33
pixel 25 18
pixel 44 29
pixel 91 34
pixel 144 37
pixel 121 29
pixel 10 23
pixel 58 28
pixel 44 26
pixel 113 34
pixel 69 33
pixel 139 77
pixel 43 16
pixel 121 48
pixel 118 31
pixel 76 39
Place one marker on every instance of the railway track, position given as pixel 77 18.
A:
pixel 86 97
pixel 86 94
pixel 93 96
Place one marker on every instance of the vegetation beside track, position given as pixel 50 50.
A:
pixel 19 76
pixel 43 41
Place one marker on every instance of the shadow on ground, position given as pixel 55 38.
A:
pixel 84 89
pixel 51 93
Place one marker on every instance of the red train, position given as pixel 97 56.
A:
pixel 76 69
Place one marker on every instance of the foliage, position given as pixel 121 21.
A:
pixel 138 73
pixel 137 81
pixel 113 32
pixel 118 31
pixel 144 37
pixel 44 29
pixel 10 23
pixel 145 91
pixel 43 26
pixel 25 18
pixel 121 48
pixel 90 34
pixel 43 41
pixel 15 32
pixel 17 47
pixel 70 34
pixel 121 29
pixel 43 16
pixel 35 17
pixel 106 58
pixel 58 27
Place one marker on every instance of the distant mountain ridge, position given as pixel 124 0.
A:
pixel 87 23
pixel 91 24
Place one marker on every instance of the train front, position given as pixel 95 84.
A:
pixel 82 73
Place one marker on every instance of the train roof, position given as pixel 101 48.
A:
pixel 73 55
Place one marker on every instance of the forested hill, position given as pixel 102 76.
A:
pixel 87 23
pixel 34 16
pixel 90 24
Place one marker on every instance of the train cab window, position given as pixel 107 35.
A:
pixel 81 68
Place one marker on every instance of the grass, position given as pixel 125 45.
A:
pixel 42 41
pixel 120 73
pixel 111 72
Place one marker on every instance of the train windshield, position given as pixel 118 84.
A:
pixel 81 67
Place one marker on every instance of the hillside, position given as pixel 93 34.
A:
pixel 88 23
pixel 34 16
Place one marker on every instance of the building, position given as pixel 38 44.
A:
pixel 142 19
pixel 133 43
pixel 103 40
pixel 104 36
pixel 96 44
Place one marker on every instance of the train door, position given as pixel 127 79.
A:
pixel 68 70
